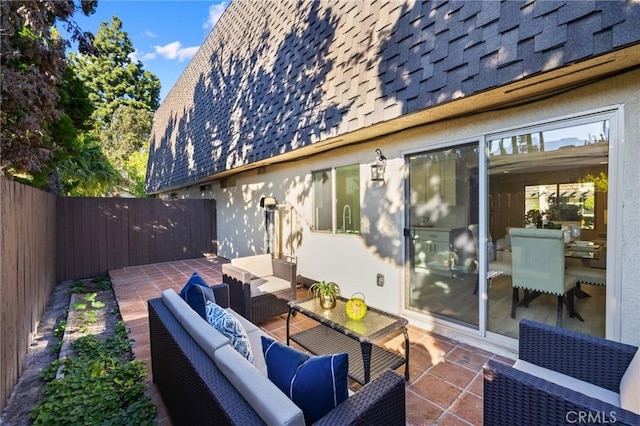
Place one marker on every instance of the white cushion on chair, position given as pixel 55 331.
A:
pixel 259 265
pixel 630 386
pixel 588 275
pixel 569 382
pixel 267 285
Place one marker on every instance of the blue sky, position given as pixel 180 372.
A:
pixel 165 33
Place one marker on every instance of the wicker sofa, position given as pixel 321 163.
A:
pixel 563 377
pixel 200 387
pixel 260 286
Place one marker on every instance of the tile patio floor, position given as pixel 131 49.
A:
pixel 446 376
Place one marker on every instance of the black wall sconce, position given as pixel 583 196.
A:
pixel 377 168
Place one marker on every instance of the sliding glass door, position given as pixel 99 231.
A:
pixel 552 177
pixel 442 222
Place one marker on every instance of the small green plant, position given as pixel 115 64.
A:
pixel 77 287
pixel 90 315
pixel 58 330
pixel 101 385
pixel 324 288
pixel 103 282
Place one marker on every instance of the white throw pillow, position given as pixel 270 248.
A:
pixel 229 326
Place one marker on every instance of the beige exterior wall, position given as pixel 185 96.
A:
pixel 354 261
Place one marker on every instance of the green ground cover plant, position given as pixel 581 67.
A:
pixel 101 383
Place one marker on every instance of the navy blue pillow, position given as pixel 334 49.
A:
pixel 316 384
pixel 196 292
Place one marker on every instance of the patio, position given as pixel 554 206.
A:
pixel 446 376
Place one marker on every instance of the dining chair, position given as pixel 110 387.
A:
pixel 537 262
pixel 495 267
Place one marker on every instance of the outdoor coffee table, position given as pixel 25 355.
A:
pixel 338 333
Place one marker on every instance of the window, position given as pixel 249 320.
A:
pixel 560 203
pixel 337 208
pixel 322 183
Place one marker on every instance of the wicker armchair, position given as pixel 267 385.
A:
pixel 259 286
pixel 513 396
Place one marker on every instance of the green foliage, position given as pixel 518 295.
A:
pixel 88 173
pixel 111 77
pixel 325 288
pixel 124 96
pixel 600 182
pixel 100 384
pixel 77 287
pixel 58 330
pixel 50 371
pixel 33 64
pixel 103 282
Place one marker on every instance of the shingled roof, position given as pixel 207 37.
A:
pixel 278 75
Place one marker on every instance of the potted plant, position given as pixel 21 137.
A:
pixel 326 292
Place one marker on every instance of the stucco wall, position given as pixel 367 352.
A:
pixel 353 262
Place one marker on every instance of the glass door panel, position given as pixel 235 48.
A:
pixel 442 203
pixel 555 179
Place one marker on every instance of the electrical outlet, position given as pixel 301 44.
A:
pixel 380 279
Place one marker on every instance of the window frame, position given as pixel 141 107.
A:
pixel 333 172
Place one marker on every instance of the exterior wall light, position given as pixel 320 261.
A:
pixel 377 168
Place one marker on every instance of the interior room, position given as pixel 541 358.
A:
pixel 551 179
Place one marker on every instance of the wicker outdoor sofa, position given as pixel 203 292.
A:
pixel 513 396
pixel 197 391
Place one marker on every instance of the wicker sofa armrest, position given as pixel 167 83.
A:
pixel 588 358
pixel 514 397
pixel 381 401
pixel 221 293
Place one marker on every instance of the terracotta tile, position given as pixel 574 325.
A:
pixel 419 410
pixel 469 407
pixel 448 419
pixel 273 324
pixel 475 350
pixel 469 359
pixel 453 373
pixel 477 385
pixel 436 390
pixel 419 358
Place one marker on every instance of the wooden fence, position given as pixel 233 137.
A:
pixel 27 273
pixel 99 234
pixel 47 239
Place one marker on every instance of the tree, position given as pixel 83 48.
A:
pixel 33 64
pixel 124 96
pixel 126 145
pixel 112 79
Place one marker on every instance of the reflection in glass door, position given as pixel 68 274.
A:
pixel 554 178
pixel 442 217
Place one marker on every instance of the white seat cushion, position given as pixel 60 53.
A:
pixel 267 285
pixel 630 386
pixel 273 406
pixel 569 382
pixel 588 275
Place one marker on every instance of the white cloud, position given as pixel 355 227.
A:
pixel 137 56
pixel 176 51
pixel 150 34
pixel 215 11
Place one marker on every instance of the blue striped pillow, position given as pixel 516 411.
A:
pixel 229 326
pixel 316 384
